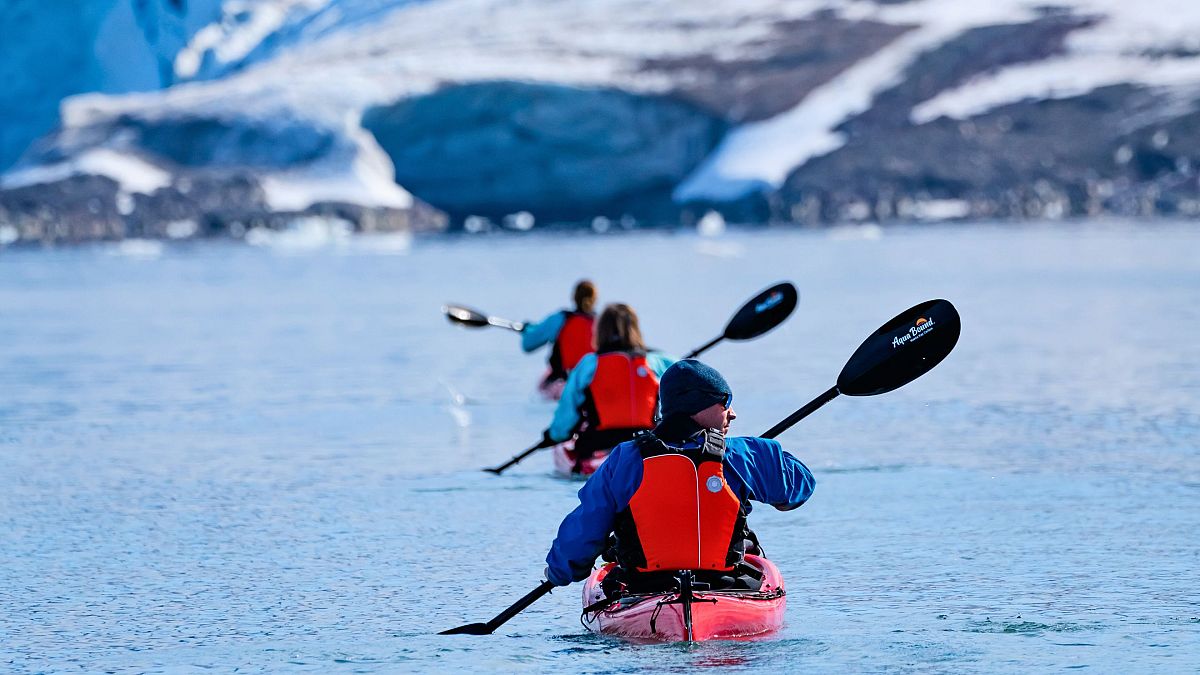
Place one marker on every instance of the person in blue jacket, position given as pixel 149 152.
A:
pixel 612 394
pixel 677 497
pixel 569 332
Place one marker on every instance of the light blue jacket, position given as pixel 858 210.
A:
pixel 543 332
pixel 569 412
pixel 756 469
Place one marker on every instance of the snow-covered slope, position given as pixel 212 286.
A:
pixel 279 91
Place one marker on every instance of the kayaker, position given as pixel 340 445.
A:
pixel 611 394
pixel 570 334
pixel 677 498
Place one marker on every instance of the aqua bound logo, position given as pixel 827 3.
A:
pixel 921 327
pixel 772 300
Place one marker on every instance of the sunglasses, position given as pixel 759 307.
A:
pixel 727 396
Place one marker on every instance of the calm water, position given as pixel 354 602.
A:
pixel 221 457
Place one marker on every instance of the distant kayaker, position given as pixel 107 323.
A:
pixel 611 394
pixel 677 498
pixel 570 333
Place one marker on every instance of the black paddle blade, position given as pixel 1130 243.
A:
pixel 764 312
pixel 516 608
pixel 902 350
pixel 469 629
pixel 465 316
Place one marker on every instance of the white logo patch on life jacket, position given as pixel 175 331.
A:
pixel 713 484
pixel 642 372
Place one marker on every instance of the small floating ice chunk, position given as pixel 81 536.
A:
pixel 477 224
pixel 303 234
pixel 711 225
pixel 182 229
pixel 139 248
pixel 522 220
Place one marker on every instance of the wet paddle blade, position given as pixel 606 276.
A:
pixel 764 312
pixel 465 316
pixel 491 626
pixel 902 350
pixel 469 629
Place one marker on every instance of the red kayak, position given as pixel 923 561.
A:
pixel 687 613
pixel 551 389
pixel 568 465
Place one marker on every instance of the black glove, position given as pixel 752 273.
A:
pixel 546 440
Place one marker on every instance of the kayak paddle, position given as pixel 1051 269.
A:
pixel 491 626
pixel 465 316
pixel 902 350
pixel 544 443
pixel 762 313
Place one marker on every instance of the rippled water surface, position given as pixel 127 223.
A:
pixel 218 457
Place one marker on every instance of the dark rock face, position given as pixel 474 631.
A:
pixel 1122 150
pixel 492 149
pixel 976 52
pixel 80 208
pixel 214 191
pixel 92 208
pixel 798 57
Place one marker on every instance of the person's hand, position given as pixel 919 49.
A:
pixel 546 573
pixel 547 441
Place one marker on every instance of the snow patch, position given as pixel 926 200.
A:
pixel 762 154
pixel 369 182
pixel 132 173
pixel 1072 75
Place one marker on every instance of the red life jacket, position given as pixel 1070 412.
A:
pixel 574 341
pixel 683 515
pixel 623 393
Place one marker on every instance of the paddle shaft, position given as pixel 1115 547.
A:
pixel 491 626
pixel 803 412
pixel 541 444
pixel 700 350
pixel 514 326
pixel 530 597
pixel 471 318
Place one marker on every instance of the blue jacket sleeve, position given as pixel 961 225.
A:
pixel 770 475
pixel 543 332
pixel 584 532
pixel 568 413
pixel 659 362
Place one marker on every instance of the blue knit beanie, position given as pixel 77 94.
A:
pixel 688 387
